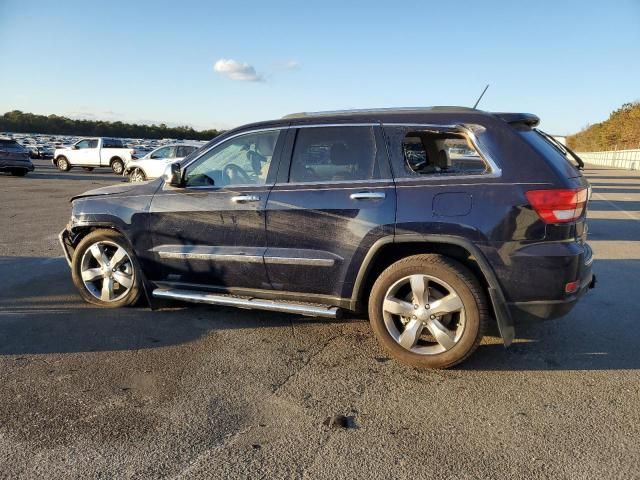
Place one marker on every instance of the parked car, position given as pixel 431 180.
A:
pixel 45 152
pixel 14 158
pixel 154 163
pixel 315 214
pixel 93 152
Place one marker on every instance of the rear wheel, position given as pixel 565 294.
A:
pixel 19 172
pixel 117 166
pixel 428 311
pixel 63 164
pixel 104 270
pixel 137 175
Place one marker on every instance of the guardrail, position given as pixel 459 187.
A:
pixel 627 159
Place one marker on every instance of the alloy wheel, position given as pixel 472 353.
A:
pixel 107 271
pixel 423 314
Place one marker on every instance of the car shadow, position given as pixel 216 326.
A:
pixel 41 313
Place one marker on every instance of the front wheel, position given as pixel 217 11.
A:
pixel 137 175
pixel 117 166
pixel 63 164
pixel 428 311
pixel 104 270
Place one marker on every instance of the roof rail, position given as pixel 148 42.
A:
pixel 379 110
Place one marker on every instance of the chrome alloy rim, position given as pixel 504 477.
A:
pixel 137 176
pixel 424 314
pixel 107 271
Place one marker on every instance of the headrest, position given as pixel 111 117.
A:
pixel 340 154
pixel 265 144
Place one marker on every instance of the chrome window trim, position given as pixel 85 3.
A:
pixel 336 182
pixel 333 125
pixel 495 172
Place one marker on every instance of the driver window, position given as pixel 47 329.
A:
pixel 242 160
pixel 162 153
pixel 82 144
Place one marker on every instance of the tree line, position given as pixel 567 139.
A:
pixel 20 122
pixel 621 131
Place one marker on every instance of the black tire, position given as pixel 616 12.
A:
pixel 113 240
pixel 19 172
pixel 137 175
pixel 63 164
pixel 467 289
pixel 117 165
pixel 88 169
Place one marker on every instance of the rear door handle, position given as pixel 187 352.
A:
pixel 368 196
pixel 245 198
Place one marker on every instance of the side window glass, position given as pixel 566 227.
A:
pixel 93 143
pixel 161 153
pixel 432 153
pixel 243 160
pixel 329 154
pixel 82 144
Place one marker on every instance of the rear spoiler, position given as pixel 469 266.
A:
pixel 528 119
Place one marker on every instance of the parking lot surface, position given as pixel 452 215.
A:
pixel 208 392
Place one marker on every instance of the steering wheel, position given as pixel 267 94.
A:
pixel 233 172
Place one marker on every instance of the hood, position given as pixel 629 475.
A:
pixel 111 190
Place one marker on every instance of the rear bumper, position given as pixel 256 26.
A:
pixel 12 164
pixel 547 310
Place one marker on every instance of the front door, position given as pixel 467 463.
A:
pixel 87 152
pixel 212 232
pixel 326 211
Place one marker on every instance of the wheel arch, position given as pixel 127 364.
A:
pixel 78 232
pixel 388 250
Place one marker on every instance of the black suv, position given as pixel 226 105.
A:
pixel 434 220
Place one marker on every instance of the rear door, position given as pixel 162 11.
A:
pixel 334 198
pixel 212 232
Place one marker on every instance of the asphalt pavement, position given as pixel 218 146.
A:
pixel 208 392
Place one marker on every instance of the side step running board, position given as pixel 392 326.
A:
pixel 310 310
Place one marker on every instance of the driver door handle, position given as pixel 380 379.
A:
pixel 245 198
pixel 367 196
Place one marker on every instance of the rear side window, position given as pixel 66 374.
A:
pixel 330 154
pixel 183 151
pixel 112 143
pixel 434 153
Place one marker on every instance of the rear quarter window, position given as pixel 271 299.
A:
pixel 551 154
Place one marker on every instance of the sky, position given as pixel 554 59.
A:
pixel 220 64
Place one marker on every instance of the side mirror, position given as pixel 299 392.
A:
pixel 75 147
pixel 173 175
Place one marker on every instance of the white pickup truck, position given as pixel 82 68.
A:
pixel 90 153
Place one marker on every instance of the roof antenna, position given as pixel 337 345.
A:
pixel 480 97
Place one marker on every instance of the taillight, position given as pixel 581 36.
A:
pixel 558 205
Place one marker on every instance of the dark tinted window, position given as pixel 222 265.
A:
pixel 184 150
pixel 112 143
pixel 326 154
pixel 549 151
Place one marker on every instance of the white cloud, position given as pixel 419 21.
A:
pixel 235 70
pixel 289 65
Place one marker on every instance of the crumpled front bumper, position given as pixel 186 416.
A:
pixel 65 242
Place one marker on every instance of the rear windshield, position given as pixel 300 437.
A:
pixel 553 155
pixel 112 143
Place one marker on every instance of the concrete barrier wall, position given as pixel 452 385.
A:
pixel 627 159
